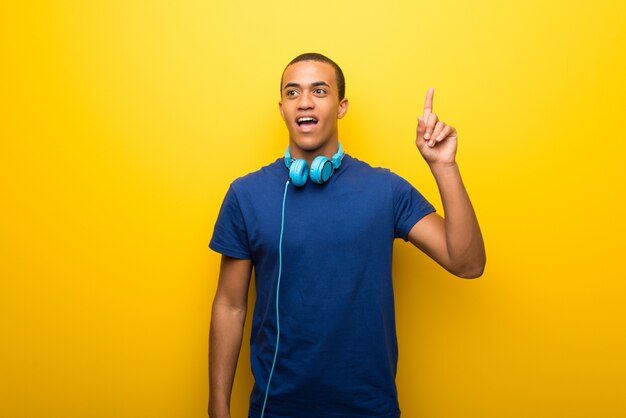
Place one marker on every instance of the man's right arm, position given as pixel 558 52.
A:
pixel 227 320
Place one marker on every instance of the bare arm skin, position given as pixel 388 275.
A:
pixel 455 242
pixel 227 320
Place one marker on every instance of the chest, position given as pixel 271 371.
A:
pixel 319 219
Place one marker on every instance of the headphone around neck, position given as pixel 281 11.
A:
pixel 321 168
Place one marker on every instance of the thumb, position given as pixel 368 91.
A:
pixel 420 142
pixel 421 126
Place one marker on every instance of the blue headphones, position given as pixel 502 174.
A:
pixel 321 168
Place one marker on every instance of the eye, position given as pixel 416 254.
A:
pixel 291 92
pixel 319 91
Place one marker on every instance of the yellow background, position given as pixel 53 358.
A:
pixel 122 124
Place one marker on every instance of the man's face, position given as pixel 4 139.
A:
pixel 310 106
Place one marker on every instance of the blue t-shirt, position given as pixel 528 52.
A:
pixel 338 350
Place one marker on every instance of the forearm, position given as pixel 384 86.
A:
pixel 464 240
pixel 224 345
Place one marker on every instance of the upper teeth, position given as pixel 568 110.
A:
pixel 306 120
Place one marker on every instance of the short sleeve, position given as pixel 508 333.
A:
pixel 409 206
pixel 230 236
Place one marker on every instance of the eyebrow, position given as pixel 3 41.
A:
pixel 314 84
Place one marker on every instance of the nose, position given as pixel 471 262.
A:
pixel 306 101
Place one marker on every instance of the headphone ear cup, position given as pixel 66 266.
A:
pixel 298 172
pixel 321 169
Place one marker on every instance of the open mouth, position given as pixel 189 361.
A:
pixel 306 121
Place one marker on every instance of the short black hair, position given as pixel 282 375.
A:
pixel 314 56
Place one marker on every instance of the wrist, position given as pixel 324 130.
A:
pixel 443 167
pixel 213 414
pixel 219 411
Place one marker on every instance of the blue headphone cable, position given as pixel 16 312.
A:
pixel 280 268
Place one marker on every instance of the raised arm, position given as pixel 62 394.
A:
pixel 455 242
pixel 227 320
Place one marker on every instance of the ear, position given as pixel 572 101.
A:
pixel 343 108
pixel 280 109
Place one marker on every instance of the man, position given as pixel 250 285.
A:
pixel 323 340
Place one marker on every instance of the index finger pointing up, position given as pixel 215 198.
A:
pixel 428 104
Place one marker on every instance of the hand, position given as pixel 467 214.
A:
pixel 436 141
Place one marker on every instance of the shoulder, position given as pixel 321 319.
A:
pixel 270 173
pixel 362 168
pixel 381 179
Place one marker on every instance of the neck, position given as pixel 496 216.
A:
pixel 327 151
